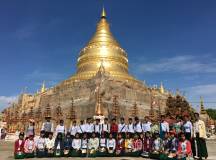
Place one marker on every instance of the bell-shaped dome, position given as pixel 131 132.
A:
pixel 102 48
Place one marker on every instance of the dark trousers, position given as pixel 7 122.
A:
pixel 97 134
pixel 114 134
pixel 47 134
pixel 123 135
pixel 106 134
pixel 40 153
pixel 138 133
pixel 89 135
pixel 130 134
pixel 72 137
pixel 80 135
pixel 199 147
pixel 188 136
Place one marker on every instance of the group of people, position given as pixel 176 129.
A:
pixel 156 140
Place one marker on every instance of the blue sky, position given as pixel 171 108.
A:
pixel 169 41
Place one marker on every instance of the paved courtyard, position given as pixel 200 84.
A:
pixel 6 153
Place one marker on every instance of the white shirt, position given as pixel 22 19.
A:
pixel 138 127
pixel 165 126
pixel 84 143
pixel 89 127
pixel 49 143
pixel 60 129
pixel 196 127
pixel 103 142
pixel 76 143
pixel 111 143
pixel 81 128
pixel 130 128
pixel 40 143
pixel 157 144
pixel 188 127
pixel 105 128
pixel 73 130
pixel 122 127
pixel 146 126
pixel 43 128
pixel 97 128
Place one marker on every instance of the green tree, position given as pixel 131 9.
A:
pixel 212 113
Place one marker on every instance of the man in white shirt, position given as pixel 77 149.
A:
pixel 164 127
pixel 122 128
pixel 89 128
pixel 97 128
pixel 130 127
pixel 81 129
pixel 73 129
pixel 137 126
pixel 105 128
pixel 199 149
pixel 146 126
pixel 47 126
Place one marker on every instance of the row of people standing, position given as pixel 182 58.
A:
pixel 90 127
pixel 195 133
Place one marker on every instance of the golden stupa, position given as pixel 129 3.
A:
pixel 101 86
pixel 102 48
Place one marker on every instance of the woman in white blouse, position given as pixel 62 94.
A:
pixel 111 144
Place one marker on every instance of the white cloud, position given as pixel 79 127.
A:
pixel 207 91
pixel 6 100
pixel 180 64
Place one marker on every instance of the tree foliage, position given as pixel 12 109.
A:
pixel 178 105
pixel 212 113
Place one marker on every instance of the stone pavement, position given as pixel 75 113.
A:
pixel 6 153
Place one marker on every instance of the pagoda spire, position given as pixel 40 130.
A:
pixel 202 109
pixel 201 101
pixel 43 89
pixel 161 88
pixel 103 14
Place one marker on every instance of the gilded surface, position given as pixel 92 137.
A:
pixel 102 48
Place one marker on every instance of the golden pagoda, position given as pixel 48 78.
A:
pixel 101 87
pixel 102 47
